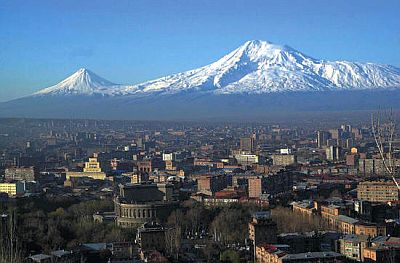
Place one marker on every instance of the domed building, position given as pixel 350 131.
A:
pixel 137 204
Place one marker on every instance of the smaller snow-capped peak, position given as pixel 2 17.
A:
pixel 82 82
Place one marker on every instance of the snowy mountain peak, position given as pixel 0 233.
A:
pixel 82 82
pixel 256 67
pixel 260 44
pixel 257 49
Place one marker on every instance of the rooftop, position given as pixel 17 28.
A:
pixel 347 219
pixel 313 255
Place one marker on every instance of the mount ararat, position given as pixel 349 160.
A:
pixel 257 79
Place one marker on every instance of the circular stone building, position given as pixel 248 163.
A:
pixel 137 204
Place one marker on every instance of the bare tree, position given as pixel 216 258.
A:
pixel 384 133
pixel 9 243
pixel 173 235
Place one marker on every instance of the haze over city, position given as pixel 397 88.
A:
pixel 233 131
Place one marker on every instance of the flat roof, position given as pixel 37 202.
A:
pixel 310 255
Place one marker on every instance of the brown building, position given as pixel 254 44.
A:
pixel 351 159
pixel 272 254
pixel 378 191
pixel 370 229
pixel 255 187
pixel 211 183
pixel 145 166
pixel 267 169
pixel 247 144
pixel 270 184
pixel 381 254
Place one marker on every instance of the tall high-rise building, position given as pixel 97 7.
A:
pixel 336 134
pixel 346 127
pixel 247 144
pixel 322 138
pixel 333 153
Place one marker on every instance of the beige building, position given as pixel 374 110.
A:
pixel 137 204
pixel 335 221
pixel 352 246
pixel 284 159
pixel 246 159
pixel 305 207
pixel 20 173
pixel 92 170
pixel 136 178
pixel 254 187
pixel 378 191
pixel 12 189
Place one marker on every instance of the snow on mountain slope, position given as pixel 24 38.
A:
pixel 254 68
pixel 82 82
pixel 261 67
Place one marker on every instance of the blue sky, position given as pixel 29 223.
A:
pixel 130 41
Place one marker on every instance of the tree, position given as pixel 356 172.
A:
pixel 173 235
pixel 383 131
pixel 10 247
pixel 230 256
pixel 231 225
pixel 287 221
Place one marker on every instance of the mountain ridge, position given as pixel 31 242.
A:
pixel 256 67
pixel 256 79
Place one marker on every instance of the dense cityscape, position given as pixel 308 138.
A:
pixel 126 191
pixel 204 131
